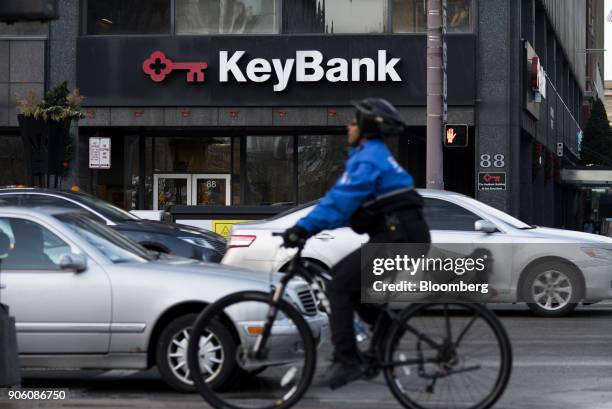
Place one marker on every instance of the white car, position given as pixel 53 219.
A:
pixel 85 296
pixel 547 268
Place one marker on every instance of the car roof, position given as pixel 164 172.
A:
pixel 45 210
pixel 39 190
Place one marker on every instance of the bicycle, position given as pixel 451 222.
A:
pixel 431 367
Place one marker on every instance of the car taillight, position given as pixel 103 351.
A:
pixel 239 240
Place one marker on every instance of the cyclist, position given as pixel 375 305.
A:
pixel 374 195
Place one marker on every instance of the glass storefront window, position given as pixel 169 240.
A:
pixel 148 173
pixel 236 166
pixel 131 158
pixel 337 16
pixel 227 16
pixel 269 170
pixel 171 191
pixel 321 161
pixel 410 16
pixel 192 154
pixel 127 16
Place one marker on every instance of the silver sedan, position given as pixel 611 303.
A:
pixel 548 268
pixel 86 297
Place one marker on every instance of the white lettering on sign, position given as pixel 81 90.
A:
pixel 231 65
pixel 338 70
pixel 308 61
pixel 309 67
pixel 256 67
pixel 99 153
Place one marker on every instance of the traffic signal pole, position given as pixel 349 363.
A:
pixel 436 93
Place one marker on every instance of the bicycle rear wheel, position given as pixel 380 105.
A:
pixel 279 377
pixel 447 356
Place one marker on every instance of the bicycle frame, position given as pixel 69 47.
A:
pixel 297 269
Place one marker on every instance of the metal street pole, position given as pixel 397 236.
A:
pixel 435 93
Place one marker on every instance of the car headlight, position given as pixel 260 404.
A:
pixel 597 252
pixel 197 241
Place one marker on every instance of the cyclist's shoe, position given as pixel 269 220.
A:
pixel 341 373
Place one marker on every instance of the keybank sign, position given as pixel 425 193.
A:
pixel 307 66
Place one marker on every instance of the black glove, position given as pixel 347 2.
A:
pixel 294 236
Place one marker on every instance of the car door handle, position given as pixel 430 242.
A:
pixel 324 236
pixel 2 286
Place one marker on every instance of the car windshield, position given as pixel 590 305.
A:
pixel 108 211
pixel 114 246
pixel 498 214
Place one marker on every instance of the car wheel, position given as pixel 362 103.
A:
pixel 552 289
pixel 217 354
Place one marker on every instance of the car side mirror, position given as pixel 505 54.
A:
pixel 74 262
pixel 485 226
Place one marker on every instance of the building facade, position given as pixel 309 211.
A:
pixel 245 102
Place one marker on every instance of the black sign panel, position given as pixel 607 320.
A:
pixel 127 71
pixel 491 180
pixel 456 136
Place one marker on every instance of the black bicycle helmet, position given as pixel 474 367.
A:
pixel 377 117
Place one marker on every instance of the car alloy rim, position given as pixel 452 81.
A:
pixel 210 355
pixel 551 290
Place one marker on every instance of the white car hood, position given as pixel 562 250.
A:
pixel 568 236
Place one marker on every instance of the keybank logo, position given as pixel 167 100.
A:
pixel 307 66
pixel 158 66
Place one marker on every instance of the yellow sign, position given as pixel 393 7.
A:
pixel 224 227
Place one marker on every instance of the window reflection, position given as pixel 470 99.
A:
pixel 269 172
pixel 334 16
pixel 410 16
pixel 128 16
pixel 321 161
pixel 459 16
pixel 192 154
pixel 226 17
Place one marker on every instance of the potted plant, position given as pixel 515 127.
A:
pixel 45 129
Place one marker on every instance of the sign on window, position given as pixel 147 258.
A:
pixel 99 153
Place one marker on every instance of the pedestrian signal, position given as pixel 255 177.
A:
pixel 456 136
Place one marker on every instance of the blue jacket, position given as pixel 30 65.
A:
pixel 370 172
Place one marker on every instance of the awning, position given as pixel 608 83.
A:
pixel 601 177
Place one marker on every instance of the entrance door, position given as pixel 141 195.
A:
pixel 211 189
pixel 186 189
pixel 171 189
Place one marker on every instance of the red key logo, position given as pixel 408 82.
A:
pixel 157 66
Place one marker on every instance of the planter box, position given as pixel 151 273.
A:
pixel 44 144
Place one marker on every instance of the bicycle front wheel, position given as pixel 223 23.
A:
pixel 275 378
pixel 447 356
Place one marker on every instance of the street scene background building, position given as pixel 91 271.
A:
pixel 521 78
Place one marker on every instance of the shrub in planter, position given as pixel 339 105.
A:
pixel 45 127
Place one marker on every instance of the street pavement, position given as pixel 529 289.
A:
pixel 562 363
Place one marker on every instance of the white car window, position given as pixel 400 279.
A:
pixel 504 217
pixel 444 215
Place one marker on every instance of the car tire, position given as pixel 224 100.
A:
pixel 552 289
pixel 173 342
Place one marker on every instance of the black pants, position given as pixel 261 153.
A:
pixel 345 289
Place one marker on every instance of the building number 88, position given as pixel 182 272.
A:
pixel 498 160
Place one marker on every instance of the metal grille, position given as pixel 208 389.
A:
pixel 307 299
pixel 218 245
